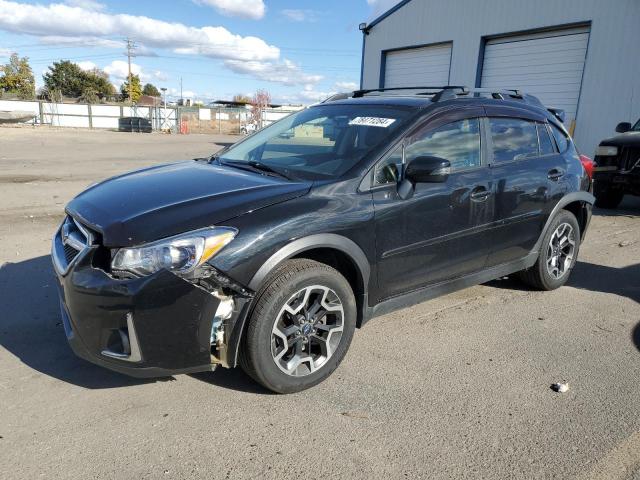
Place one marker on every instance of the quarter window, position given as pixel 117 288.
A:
pixel 546 144
pixel 561 139
pixel 513 139
pixel 458 142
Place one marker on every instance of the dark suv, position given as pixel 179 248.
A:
pixel 617 170
pixel 270 253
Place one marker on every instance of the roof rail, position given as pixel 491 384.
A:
pixel 447 92
pixel 361 93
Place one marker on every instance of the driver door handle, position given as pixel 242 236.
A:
pixel 480 194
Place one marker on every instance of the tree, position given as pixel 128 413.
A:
pixel 17 78
pixel 151 90
pixel 136 89
pixel 71 81
pixel 241 98
pixel 261 100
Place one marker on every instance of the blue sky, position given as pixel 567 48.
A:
pixel 300 51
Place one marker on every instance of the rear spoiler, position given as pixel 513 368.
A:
pixel 558 113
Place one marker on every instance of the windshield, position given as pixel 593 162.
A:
pixel 636 127
pixel 321 142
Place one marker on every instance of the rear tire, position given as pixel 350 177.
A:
pixel 607 197
pixel 557 255
pixel 300 328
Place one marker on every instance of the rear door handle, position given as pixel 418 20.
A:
pixel 555 174
pixel 480 194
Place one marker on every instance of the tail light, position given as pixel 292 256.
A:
pixel 588 165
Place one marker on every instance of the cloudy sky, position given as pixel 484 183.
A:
pixel 299 50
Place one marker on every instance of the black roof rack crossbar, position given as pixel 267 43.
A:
pixel 361 93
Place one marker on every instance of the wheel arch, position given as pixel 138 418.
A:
pixel 578 203
pixel 320 247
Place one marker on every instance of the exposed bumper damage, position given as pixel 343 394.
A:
pixel 158 325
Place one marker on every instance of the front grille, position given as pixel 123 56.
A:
pixel 70 240
pixel 628 158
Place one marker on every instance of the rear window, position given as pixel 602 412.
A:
pixel 513 139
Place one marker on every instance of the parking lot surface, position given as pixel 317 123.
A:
pixel 458 387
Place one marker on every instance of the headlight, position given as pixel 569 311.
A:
pixel 606 151
pixel 182 253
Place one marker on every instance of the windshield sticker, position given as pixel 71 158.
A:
pixel 372 121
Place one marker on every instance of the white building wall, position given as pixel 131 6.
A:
pixel 610 88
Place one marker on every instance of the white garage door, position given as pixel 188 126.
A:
pixel 418 67
pixel 548 65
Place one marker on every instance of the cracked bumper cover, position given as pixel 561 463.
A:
pixel 171 318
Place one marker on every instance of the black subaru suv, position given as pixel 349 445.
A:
pixel 617 170
pixel 270 253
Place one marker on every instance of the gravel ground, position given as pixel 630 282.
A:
pixel 458 387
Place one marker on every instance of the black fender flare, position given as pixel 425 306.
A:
pixel 563 202
pixel 321 240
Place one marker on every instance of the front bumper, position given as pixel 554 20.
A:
pixel 166 320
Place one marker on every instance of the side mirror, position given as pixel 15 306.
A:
pixel 623 127
pixel 428 170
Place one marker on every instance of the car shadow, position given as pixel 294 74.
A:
pixel 624 282
pixel 232 379
pixel 31 330
pixel 629 207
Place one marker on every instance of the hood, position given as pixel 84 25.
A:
pixel 628 139
pixel 166 200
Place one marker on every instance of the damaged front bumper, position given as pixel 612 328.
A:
pixel 154 326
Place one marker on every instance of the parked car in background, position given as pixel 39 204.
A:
pixel 270 253
pixel 617 166
pixel 248 128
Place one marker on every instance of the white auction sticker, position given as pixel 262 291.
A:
pixel 372 121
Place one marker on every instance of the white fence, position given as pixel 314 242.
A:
pixel 175 119
pixel 90 116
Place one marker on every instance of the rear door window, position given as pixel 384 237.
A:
pixel 546 144
pixel 513 139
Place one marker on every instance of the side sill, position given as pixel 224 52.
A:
pixel 418 296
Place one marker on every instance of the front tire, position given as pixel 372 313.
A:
pixel 300 328
pixel 557 256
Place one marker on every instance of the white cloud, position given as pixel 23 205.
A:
pixel 253 9
pixel 346 86
pixel 87 4
pixel 5 52
pixel 285 72
pixel 296 15
pixel 87 66
pixel 60 23
pixel 118 72
pixel 59 20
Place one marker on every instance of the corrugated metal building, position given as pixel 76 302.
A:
pixel 579 55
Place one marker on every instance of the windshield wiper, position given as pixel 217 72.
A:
pixel 253 166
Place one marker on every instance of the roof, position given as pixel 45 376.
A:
pixel 393 100
pixel 393 9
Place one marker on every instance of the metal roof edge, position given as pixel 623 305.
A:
pixel 392 10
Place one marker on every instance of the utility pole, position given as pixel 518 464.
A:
pixel 181 99
pixel 130 48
